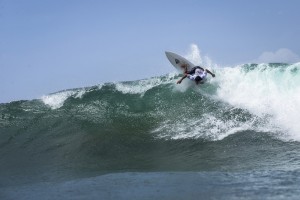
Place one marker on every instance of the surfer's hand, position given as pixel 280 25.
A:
pixel 213 75
pixel 178 82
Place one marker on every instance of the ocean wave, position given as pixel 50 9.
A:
pixel 266 95
pixel 244 118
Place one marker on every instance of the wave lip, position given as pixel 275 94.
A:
pixel 57 100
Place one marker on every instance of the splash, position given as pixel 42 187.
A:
pixel 195 56
pixel 265 90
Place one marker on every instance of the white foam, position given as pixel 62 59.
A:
pixel 209 127
pixel 57 100
pixel 265 91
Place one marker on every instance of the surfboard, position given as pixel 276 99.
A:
pixel 177 61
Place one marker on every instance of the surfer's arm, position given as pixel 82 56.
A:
pixel 212 74
pixel 179 81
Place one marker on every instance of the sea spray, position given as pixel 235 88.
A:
pixel 265 90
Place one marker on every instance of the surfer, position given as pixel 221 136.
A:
pixel 198 74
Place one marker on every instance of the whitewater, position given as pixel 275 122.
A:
pixel 235 137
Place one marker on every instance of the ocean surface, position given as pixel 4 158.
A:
pixel 235 137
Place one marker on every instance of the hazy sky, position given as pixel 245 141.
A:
pixel 51 45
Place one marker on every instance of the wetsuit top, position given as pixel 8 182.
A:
pixel 197 72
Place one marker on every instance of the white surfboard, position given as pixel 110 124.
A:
pixel 177 61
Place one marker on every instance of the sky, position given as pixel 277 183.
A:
pixel 51 45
